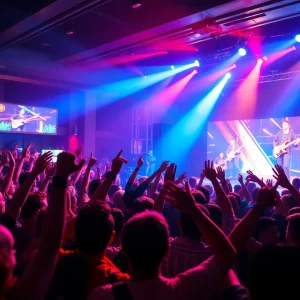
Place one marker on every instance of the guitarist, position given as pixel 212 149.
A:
pixel 286 135
pixel 19 116
pixel 233 156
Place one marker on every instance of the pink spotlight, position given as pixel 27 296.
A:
pixel 195 72
pixel 265 58
pixel 260 61
pixel 293 48
pixel 233 66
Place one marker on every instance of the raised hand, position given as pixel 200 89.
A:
pixel 267 197
pixel 280 176
pixel 240 179
pixel 117 163
pixel 11 159
pixel 252 177
pixel 163 167
pixel 42 163
pixel 209 171
pixel 220 174
pixel 140 161
pixel 181 177
pixel 182 200
pixel 269 182
pixel 51 170
pixel 78 152
pixel 202 176
pixel 92 161
pixel 170 173
pixel 26 151
pixel 66 165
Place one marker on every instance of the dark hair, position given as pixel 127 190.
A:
pixel 118 219
pixel 233 202
pixel 205 192
pixel 192 181
pixel 71 278
pixel 94 227
pixel 294 224
pixel 263 223
pixel 216 214
pixel 285 192
pixel 32 205
pixel 210 189
pixel 294 210
pixel 254 194
pixel 188 226
pixel 143 203
pixel 199 197
pixel 23 176
pixel 229 185
pixel 251 186
pixel 237 197
pixel 272 273
pixel 113 188
pixel 289 200
pixel 145 240
pixel 237 188
pixel 93 185
pixel 296 182
pixel 129 197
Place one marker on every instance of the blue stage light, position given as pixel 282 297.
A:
pixel 227 75
pixel 172 67
pixel 242 52
pixel 196 63
pixel 297 38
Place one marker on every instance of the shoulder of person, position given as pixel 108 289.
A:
pixel 103 292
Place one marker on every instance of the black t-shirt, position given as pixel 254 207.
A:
pixel 282 138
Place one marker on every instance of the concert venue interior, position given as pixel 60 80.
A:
pixel 106 74
pixel 149 149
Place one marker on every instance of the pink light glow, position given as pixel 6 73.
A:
pixel 275 56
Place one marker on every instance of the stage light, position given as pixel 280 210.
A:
pixel 135 3
pixel 196 63
pixel 297 38
pixel 172 67
pixel 242 52
pixel 145 76
pixel 227 75
pixel 260 61
pixel 195 72
pixel 294 48
pixel 265 58
pixel 233 66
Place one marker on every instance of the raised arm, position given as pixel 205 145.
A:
pixel 202 177
pixel 21 194
pixel 163 167
pixel 101 192
pixel 224 252
pixel 252 177
pixel 245 228
pixel 49 173
pixel 223 181
pixel 86 178
pixel 8 178
pixel 244 193
pixel 282 180
pixel 181 178
pixel 170 177
pixel 221 196
pixel 37 277
pixel 20 162
pixel 135 172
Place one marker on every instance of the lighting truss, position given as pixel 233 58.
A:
pixel 274 76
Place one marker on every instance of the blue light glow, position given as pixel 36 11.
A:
pixel 185 133
pixel 297 38
pixel 172 67
pixel 196 63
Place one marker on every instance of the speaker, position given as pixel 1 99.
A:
pixel 160 149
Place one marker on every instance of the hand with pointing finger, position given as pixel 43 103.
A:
pixel 117 163
pixel 92 161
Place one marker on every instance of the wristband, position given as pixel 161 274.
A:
pixel 60 182
pixel 110 175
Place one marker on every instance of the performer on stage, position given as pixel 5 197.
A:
pixel 233 157
pixel 20 116
pixel 220 161
pixel 282 143
pixel 150 163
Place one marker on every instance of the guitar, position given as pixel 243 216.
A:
pixel 15 124
pixel 233 154
pixel 282 149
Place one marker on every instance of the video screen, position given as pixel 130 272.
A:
pixel 54 152
pixel 257 145
pixel 27 119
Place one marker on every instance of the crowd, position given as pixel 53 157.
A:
pixel 68 232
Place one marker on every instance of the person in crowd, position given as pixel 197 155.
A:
pixel 266 231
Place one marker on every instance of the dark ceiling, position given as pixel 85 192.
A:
pixel 101 29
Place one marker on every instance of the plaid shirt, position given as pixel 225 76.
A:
pixel 184 255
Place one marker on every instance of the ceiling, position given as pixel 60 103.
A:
pixel 48 38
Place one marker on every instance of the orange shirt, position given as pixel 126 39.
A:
pixel 101 271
